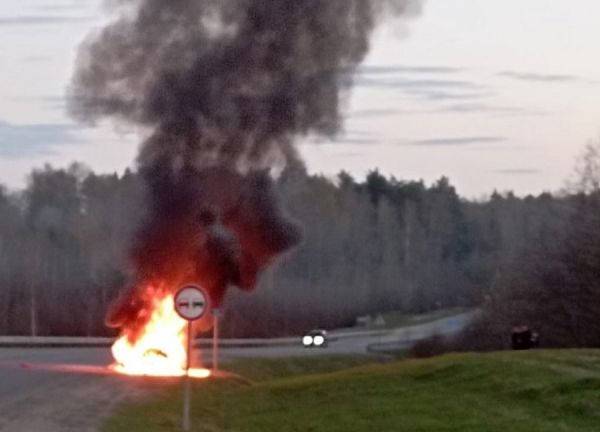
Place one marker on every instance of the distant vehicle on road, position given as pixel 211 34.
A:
pixel 524 338
pixel 315 339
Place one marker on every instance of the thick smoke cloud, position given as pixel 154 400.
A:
pixel 222 88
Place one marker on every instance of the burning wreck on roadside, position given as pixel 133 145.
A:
pixel 221 90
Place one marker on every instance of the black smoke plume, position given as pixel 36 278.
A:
pixel 221 88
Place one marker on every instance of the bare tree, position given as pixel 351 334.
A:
pixel 586 174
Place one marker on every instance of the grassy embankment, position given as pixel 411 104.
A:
pixel 518 392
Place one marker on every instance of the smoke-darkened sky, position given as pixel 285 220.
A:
pixel 492 94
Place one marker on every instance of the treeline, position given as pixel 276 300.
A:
pixel 385 244
pixel 369 246
pixel 550 283
pixel 62 250
pixel 551 286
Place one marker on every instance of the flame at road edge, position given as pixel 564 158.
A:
pixel 160 349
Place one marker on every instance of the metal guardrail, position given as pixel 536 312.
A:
pixel 77 341
pixel 53 342
pixel 408 339
pixel 73 342
pixel 100 342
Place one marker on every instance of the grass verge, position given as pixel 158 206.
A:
pixel 518 392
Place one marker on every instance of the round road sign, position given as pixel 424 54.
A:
pixel 191 302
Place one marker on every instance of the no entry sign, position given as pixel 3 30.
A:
pixel 191 302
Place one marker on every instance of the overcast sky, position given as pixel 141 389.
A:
pixel 493 94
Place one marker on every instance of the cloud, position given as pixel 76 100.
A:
pixel 441 96
pixel 431 90
pixel 518 171
pixel 58 103
pixel 506 148
pixel 355 141
pixel 26 140
pixel 384 70
pixel 350 154
pixel 372 113
pixel 409 83
pixel 53 103
pixel 466 108
pixel 459 141
pixel 424 83
pixel 537 77
pixel 62 7
pixel 36 58
pixel 383 112
pixel 354 137
pixel 27 20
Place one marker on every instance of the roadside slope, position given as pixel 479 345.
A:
pixel 521 392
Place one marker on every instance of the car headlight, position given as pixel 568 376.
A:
pixel 307 341
pixel 318 340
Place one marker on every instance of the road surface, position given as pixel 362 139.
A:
pixel 38 401
pixel 349 342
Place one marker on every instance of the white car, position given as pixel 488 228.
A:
pixel 315 339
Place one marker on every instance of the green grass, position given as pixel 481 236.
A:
pixel 504 392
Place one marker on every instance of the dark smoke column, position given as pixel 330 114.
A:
pixel 222 88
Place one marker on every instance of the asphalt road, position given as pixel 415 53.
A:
pixel 349 342
pixel 41 401
pixel 38 401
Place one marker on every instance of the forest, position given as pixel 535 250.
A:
pixel 376 245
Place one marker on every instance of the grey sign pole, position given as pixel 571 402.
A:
pixel 187 384
pixel 215 350
pixel 191 302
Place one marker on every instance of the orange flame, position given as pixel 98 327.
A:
pixel 160 349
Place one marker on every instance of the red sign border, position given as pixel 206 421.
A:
pixel 199 288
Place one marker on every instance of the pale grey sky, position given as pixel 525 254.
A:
pixel 493 94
